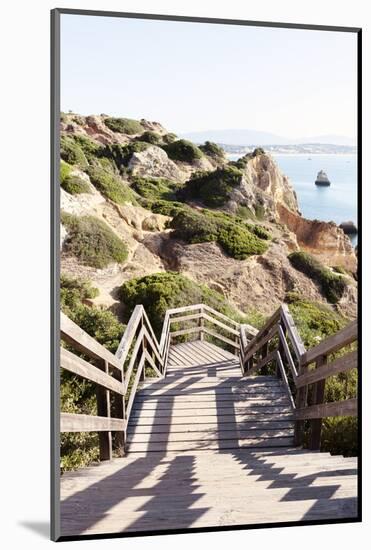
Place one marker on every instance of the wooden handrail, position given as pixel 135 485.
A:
pixel 121 372
pixel 258 353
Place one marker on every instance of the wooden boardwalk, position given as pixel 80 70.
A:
pixel 208 447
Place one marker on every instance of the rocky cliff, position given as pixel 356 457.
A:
pixel 134 172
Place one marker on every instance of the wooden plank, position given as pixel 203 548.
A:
pixel 287 351
pixel 76 365
pixel 292 331
pixel 165 332
pixel 152 363
pixel 149 328
pixel 220 337
pixel 139 428
pixel 104 410
pixel 285 381
pixel 341 364
pixel 133 358
pixel 318 398
pixel 81 341
pixel 163 417
pixel 207 445
pixel 221 316
pixel 267 359
pixel 333 343
pixel 133 389
pixel 176 310
pixel 210 435
pixel 348 407
pixel 88 423
pixel 265 329
pixel 221 325
pixel 185 318
pixel 154 346
pixel 252 348
pixel 131 328
pixel 185 331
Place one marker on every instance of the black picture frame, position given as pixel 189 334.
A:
pixel 55 261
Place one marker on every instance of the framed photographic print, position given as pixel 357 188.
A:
pixel 206 239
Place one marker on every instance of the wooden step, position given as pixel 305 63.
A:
pixel 210 444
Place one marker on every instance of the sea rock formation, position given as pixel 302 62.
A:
pixel 322 179
pixel 349 228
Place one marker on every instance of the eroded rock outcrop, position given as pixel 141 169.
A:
pixel 325 240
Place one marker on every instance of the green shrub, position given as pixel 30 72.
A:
pixel 92 241
pixel 161 291
pixel 260 232
pixel 212 188
pixel 90 148
pixel 231 234
pixel 239 243
pixel 123 125
pixel 169 138
pixel 166 208
pixel 193 227
pixel 74 185
pixel 64 171
pixel 332 286
pixel 315 321
pixel 339 436
pixel 110 185
pixel 78 395
pixel 245 212
pixel 121 154
pixel 72 153
pixel 151 137
pixel 183 150
pixel 212 150
pixel 154 188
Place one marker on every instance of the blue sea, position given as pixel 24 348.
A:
pixel 336 203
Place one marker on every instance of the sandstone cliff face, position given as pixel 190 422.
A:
pixel 325 240
pixel 263 174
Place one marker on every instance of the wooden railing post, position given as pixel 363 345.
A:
pixel 318 399
pixel 201 324
pixel 281 348
pixel 301 402
pixel 104 409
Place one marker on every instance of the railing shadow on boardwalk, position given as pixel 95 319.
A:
pixel 172 497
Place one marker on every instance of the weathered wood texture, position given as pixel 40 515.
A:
pixel 193 489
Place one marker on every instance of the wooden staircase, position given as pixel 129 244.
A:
pixel 209 438
pixel 204 403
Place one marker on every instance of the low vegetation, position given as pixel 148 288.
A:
pixel 110 185
pixel 155 188
pixel 235 237
pixel 212 188
pixel 213 150
pixel 161 291
pixel 78 395
pixel 75 185
pixel 72 153
pixel 124 125
pixel 120 154
pixel 151 137
pixel 315 322
pixel 183 150
pixel 92 241
pixel 332 286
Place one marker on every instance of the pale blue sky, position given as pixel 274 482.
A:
pixel 193 76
